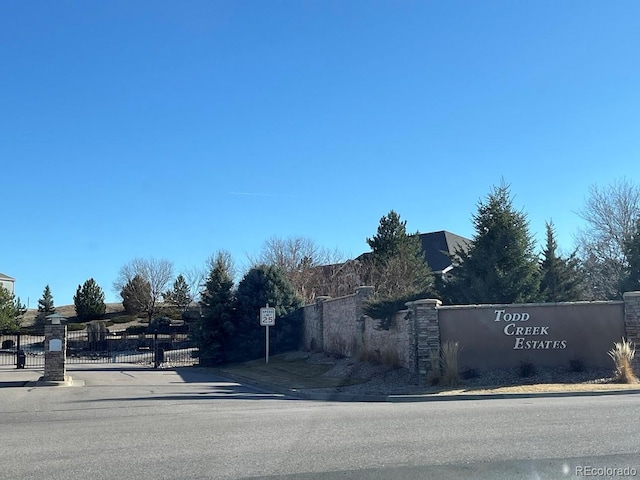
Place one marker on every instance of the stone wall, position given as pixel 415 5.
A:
pixel 489 336
pixel 338 326
pixel 340 321
pixel 312 337
pixel 632 323
pixel 394 346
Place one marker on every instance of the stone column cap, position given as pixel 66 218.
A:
pixel 626 295
pixel 433 302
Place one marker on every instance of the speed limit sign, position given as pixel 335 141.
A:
pixel 267 316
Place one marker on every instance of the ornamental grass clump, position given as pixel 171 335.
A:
pixel 450 375
pixel 622 354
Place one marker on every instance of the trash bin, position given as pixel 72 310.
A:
pixel 159 357
pixel 21 359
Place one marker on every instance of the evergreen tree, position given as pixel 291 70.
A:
pixel 397 266
pixel 89 301
pixel 561 279
pixel 179 295
pixel 631 272
pixel 136 295
pixel 261 285
pixel 11 309
pixel 45 308
pixel 217 301
pixel 45 304
pixel 500 265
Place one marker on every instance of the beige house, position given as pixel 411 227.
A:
pixel 7 282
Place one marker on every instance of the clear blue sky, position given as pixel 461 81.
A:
pixel 172 129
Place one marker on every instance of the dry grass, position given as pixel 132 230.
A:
pixel 434 373
pixel 385 357
pixel 296 373
pixel 449 352
pixel 68 311
pixel 622 354
pixel 543 388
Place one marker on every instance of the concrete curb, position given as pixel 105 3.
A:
pixel 404 398
pixel 68 382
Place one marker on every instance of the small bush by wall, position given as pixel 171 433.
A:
pixel 622 355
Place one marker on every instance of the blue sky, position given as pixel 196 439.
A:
pixel 173 129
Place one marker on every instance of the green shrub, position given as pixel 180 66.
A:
pixel 526 368
pixel 136 329
pixel 576 365
pixel 470 373
pixel 74 327
pixel 124 319
pixel 384 309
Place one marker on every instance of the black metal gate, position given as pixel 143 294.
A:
pixel 21 350
pixel 153 349
pixel 145 349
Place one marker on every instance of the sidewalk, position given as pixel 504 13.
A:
pixel 309 394
pixel 111 374
pixel 10 376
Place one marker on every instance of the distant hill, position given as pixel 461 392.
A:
pixel 68 311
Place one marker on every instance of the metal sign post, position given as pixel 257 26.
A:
pixel 267 319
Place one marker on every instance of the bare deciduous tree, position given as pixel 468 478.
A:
pixel 302 261
pixel 610 214
pixel 195 278
pixel 157 272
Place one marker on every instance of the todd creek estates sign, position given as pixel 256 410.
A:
pixel 527 337
pixel 499 336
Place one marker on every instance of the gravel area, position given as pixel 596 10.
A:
pixel 386 380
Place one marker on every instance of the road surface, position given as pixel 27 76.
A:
pixel 134 423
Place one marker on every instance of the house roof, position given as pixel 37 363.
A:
pixel 438 246
pixel 6 277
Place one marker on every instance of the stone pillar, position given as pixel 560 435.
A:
pixel 55 349
pixel 318 331
pixel 632 322
pixel 363 294
pixel 427 335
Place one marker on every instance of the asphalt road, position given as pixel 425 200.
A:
pixel 130 423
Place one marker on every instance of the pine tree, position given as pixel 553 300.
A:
pixel 500 265
pixel 261 285
pixel 391 233
pixel 217 301
pixel 45 304
pixel 631 272
pixel 561 279
pixel 11 309
pixel 397 264
pixel 89 301
pixel 136 295
pixel 179 295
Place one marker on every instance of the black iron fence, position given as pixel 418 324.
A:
pixel 23 351
pixel 159 349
